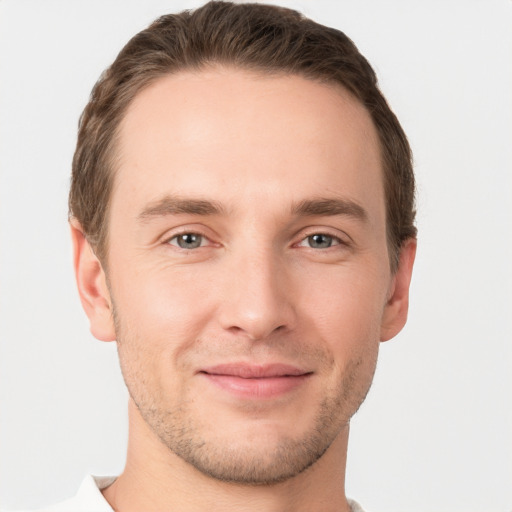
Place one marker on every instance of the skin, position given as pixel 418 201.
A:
pixel 275 278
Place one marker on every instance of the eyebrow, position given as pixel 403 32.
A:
pixel 175 205
pixel 330 206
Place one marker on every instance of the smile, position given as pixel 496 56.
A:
pixel 255 381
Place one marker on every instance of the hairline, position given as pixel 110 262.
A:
pixel 113 156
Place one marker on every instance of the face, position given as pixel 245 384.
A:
pixel 248 268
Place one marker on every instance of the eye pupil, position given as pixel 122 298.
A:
pixel 189 241
pixel 320 241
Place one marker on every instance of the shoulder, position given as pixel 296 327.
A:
pixel 355 507
pixel 88 498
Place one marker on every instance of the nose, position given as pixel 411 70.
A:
pixel 258 296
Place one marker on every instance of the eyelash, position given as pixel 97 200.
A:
pixel 335 240
pixel 184 233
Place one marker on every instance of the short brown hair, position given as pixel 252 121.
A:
pixel 255 37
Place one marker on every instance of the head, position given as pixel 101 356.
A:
pixel 266 39
pixel 242 211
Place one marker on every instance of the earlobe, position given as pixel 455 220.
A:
pixel 396 309
pixel 92 286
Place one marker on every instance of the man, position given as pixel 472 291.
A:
pixel 242 213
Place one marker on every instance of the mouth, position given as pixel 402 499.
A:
pixel 256 381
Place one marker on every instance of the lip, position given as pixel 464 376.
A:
pixel 256 381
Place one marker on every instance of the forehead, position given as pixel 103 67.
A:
pixel 241 136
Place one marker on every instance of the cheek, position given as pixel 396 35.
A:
pixel 156 321
pixel 159 316
pixel 347 312
pixel 349 325
pixel 162 300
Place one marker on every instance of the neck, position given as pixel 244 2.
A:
pixel 155 479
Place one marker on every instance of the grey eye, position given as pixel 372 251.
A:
pixel 187 241
pixel 320 241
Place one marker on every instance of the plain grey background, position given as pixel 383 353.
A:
pixel 435 433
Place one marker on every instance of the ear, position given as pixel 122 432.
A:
pixel 396 309
pixel 92 286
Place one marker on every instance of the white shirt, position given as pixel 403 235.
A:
pixel 89 498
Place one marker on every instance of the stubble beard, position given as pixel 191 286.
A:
pixel 241 463
pixel 246 463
